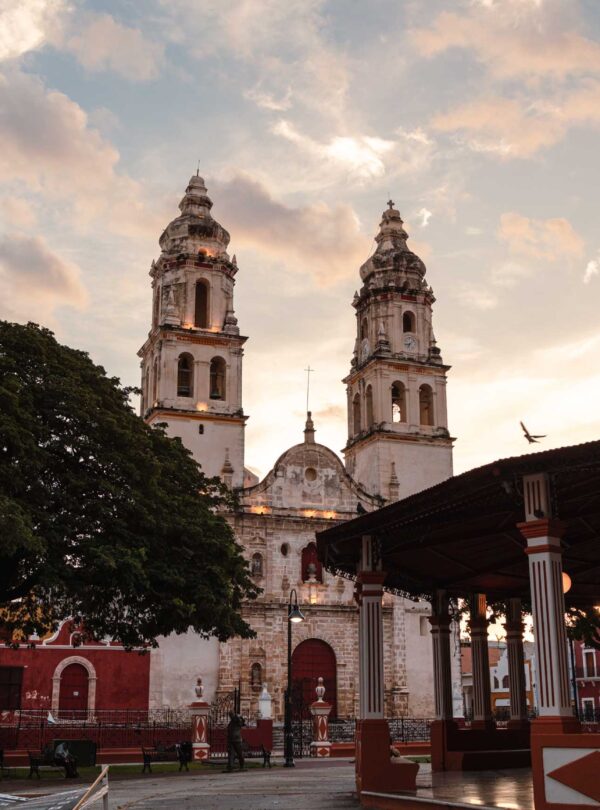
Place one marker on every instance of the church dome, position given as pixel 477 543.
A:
pixel 392 252
pixel 195 229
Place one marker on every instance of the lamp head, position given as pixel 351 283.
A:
pixel 295 614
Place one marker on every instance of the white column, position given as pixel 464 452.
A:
pixel 442 676
pixel 370 635
pixel 482 710
pixel 516 663
pixel 548 609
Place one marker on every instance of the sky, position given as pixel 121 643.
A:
pixel 480 118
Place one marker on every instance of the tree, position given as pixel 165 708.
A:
pixel 103 518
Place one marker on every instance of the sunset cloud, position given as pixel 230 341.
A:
pixel 34 280
pixel 25 24
pixel 592 269
pixel 322 241
pixel 550 239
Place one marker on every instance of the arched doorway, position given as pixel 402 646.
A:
pixel 74 687
pixel 314 659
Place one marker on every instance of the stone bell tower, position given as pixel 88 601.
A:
pixel 192 359
pixel 398 440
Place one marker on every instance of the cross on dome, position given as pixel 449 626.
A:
pixel 390 204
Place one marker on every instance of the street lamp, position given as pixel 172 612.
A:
pixel 295 616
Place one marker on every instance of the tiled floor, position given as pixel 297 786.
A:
pixel 511 789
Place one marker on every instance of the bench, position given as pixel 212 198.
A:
pixel 255 751
pixel 44 760
pixel 181 753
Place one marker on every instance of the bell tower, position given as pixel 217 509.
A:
pixel 398 439
pixel 192 359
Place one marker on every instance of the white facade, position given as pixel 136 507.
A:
pixel 389 455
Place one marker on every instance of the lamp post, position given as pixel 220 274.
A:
pixel 295 616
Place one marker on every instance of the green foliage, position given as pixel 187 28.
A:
pixel 101 516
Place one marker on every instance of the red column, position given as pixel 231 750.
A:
pixel 482 707
pixel 200 711
pixel 516 665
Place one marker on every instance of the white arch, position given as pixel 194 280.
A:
pixel 92 678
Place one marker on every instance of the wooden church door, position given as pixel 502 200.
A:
pixel 314 659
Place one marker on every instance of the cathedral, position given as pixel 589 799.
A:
pixel 398 443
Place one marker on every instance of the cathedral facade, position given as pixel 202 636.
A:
pixel 398 443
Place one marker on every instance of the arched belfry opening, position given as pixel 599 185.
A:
pixel 369 405
pixel 201 305
pixel 409 322
pixel 399 402
pixel 217 378
pixel 356 414
pixel 185 376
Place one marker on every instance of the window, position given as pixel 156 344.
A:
pixel 398 402
pixel 201 305
pixel 146 392
pixel 356 413
pixel 423 626
pixel 185 372
pixel 369 402
pixel 217 378
pixel 505 682
pixel 285 549
pixel 364 329
pixel 256 677
pixel 496 683
pixel 589 661
pixel 311 567
pixel 426 405
pixel 588 709
pixel 257 565
pixel 156 306
pixel 11 681
pixel 409 322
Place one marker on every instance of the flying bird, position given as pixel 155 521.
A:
pixel 531 438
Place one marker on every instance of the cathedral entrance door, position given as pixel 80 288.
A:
pixel 314 659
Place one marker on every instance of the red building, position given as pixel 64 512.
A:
pixel 587 671
pixel 64 674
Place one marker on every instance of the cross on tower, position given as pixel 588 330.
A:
pixel 309 371
pixel 390 203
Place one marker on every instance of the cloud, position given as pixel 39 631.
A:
pixel 514 39
pixel 475 297
pixel 268 101
pixel 551 239
pixel 592 269
pixel 509 274
pixel 17 212
pixel 101 43
pixel 34 280
pixel 25 24
pixel 322 241
pixel 425 216
pixel 48 145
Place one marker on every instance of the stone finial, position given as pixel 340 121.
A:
pixel 309 430
pixel 320 690
pixel 227 469
pixel 171 315
pixel 394 484
pixel 199 689
pixel 230 326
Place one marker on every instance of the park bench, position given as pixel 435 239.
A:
pixel 181 753
pixel 46 761
pixel 254 751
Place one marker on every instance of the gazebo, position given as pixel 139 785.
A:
pixel 503 532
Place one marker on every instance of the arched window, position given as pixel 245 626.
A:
pixel 369 403
pixel 156 306
pixel 155 381
pixel 257 565
pixel 256 677
pixel 146 402
pixel 312 569
pixel 409 322
pixel 426 405
pixel 185 376
pixel 505 682
pixel 496 684
pixel 217 378
pixel 201 305
pixel 364 329
pixel 398 402
pixel 356 413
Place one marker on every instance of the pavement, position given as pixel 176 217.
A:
pixel 311 785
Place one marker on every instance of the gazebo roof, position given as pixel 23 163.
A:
pixel 462 535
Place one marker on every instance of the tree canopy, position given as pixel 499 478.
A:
pixel 102 517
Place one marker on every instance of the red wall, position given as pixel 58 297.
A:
pixel 123 678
